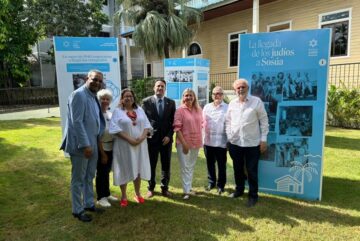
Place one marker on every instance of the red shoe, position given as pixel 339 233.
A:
pixel 123 202
pixel 139 199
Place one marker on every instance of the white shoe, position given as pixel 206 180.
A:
pixel 186 197
pixel 103 202
pixel 112 198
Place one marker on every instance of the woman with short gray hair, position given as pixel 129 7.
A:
pixel 104 163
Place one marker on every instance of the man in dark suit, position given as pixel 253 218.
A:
pixel 85 124
pixel 160 111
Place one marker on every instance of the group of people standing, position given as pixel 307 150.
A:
pixel 130 140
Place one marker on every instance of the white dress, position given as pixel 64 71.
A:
pixel 129 161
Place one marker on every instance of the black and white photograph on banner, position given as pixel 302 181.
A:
pixel 268 87
pixel 269 154
pixel 290 151
pixel 271 110
pixel 295 120
pixel 202 95
pixel 180 75
pixel 78 80
pixel 300 85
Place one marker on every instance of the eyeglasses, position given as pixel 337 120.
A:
pixel 96 80
pixel 217 93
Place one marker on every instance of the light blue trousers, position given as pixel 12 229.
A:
pixel 82 175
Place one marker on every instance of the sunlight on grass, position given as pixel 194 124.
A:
pixel 35 198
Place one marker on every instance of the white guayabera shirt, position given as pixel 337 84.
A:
pixel 246 123
pixel 214 124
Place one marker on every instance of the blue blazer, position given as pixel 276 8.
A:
pixel 84 124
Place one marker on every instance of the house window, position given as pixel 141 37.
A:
pixel 277 27
pixel 148 70
pixel 233 40
pixel 339 22
pixel 194 49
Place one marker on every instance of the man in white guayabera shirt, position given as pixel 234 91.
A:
pixel 246 128
pixel 215 140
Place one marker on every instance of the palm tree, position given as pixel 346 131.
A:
pixel 305 169
pixel 160 25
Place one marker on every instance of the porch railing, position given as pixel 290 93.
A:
pixel 28 96
pixel 345 75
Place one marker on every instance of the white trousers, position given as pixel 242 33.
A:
pixel 187 164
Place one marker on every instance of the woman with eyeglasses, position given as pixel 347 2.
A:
pixel 131 159
pixel 188 122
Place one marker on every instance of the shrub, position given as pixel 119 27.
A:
pixel 343 107
pixel 142 88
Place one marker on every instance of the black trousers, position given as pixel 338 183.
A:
pixel 102 176
pixel 165 157
pixel 216 154
pixel 250 157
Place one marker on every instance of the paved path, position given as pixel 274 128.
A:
pixel 28 114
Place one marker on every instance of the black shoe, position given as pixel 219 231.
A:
pixel 221 190
pixel 166 193
pixel 95 209
pixel 209 187
pixel 236 194
pixel 251 202
pixel 82 216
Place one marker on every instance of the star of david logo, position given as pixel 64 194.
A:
pixel 313 43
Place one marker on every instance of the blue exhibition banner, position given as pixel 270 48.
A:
pixel 289 72
pixel 75 56
pixel 183 73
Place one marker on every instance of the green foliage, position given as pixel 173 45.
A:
pixel 142 88
pixel 160 25
pixel 343 108
pixel 212 86
pixel 17 34
pixel 68 17
pixel 24 22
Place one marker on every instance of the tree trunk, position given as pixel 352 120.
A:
pixel 4 75
pixel 166 51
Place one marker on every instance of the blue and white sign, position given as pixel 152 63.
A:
pixel 289 72
pixel 75 56
pixel 187 73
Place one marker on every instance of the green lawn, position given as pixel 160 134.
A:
pixel 35 198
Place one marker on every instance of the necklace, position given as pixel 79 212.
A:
pixel 132 115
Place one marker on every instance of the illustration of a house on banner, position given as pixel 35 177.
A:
pixel 295 184
pixel 288 184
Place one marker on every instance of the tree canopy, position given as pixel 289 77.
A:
pixel 160 25
pixel 68 17
pixel 24 22
pixel 17 34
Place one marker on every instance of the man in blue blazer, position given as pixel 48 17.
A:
pixel 84 126
pixel 160 111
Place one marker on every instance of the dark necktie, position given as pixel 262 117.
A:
pixel 161 109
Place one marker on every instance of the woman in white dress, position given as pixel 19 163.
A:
pixel 131 159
